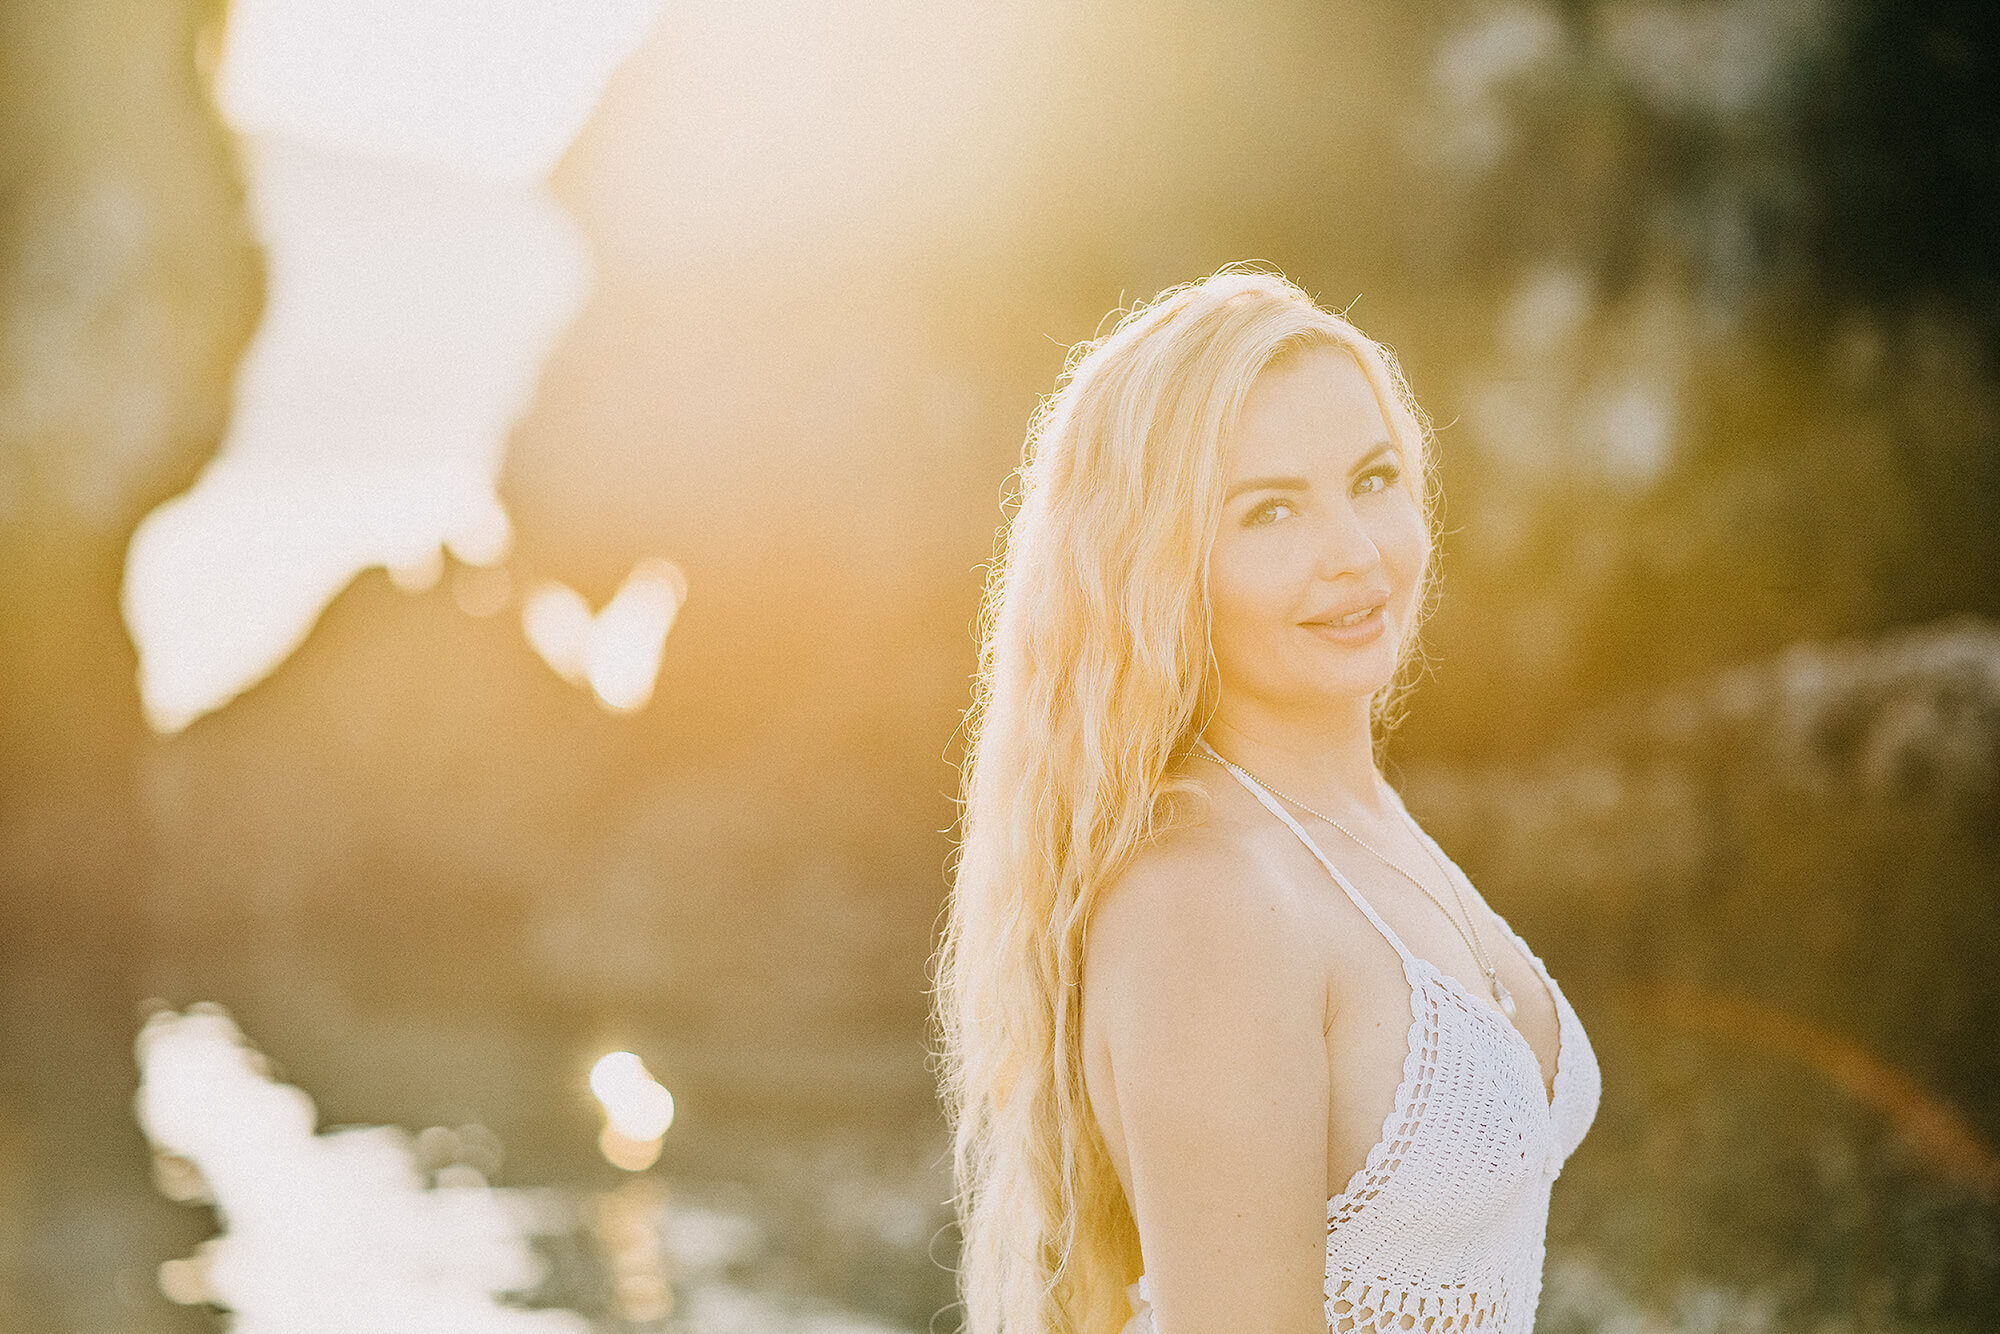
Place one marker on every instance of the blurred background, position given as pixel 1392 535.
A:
pixel 493 501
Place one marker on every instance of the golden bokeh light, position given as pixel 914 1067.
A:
pixel 557 622
pixel 620 1150
pixel 628 635
pixel 638 1110
pixel 614 651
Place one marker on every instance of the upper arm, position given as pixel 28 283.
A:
pixel 1211 1013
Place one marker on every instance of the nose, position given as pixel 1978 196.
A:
pixel 1345 545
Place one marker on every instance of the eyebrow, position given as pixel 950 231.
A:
pixel 1300 483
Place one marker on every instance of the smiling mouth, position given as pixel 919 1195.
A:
pixel 1352 618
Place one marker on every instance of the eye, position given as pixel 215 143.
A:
pixel 1268 512
pixel 1379 478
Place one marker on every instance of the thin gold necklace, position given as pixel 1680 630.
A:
pixel 1469 932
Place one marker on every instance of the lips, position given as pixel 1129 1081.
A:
pixel 1350 614
pixel 1354 624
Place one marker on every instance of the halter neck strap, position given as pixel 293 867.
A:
pixel 1271 804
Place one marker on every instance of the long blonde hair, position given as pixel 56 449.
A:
pixel 1093 671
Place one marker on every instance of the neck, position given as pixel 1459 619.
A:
pixel 1326 761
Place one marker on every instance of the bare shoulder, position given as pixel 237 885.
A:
pixel 1203 901
pixel 1206 1068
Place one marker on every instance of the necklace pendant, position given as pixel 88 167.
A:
pixel 1503 996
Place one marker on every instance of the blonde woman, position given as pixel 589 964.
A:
pixel 1229 1044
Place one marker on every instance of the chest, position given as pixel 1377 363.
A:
pixel 1381 1024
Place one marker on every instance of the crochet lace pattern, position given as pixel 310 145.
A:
pixel 1441 1230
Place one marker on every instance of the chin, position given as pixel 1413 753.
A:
pixel 1337 692
pixel 1345 691
pixel 1317 681
pixel 1353 679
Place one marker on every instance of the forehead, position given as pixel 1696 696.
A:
pixel 1313 406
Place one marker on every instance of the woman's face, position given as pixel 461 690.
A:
pixel 1321 549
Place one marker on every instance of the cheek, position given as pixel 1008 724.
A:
pixel 1242 601
pixel 1406 550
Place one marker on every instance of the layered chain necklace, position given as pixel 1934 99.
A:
pixel 1469 931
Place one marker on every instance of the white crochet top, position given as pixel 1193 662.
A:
pixel 1441 1230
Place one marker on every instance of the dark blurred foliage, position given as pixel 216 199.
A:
pixel 1771 890
pixel 1702 298
pixel 1899 143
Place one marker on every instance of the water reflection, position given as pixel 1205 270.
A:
pixel 335 1231
pixel 369 1228
pixel 626 1223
